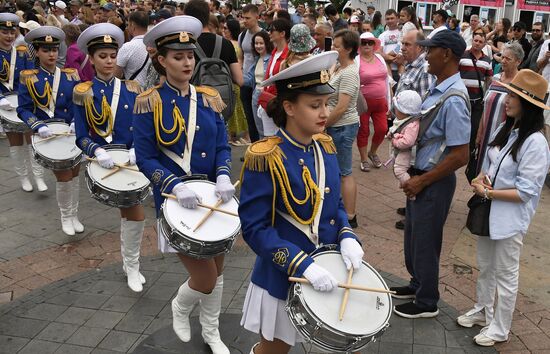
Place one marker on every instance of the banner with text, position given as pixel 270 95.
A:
pixel 491 3
pixel 535 5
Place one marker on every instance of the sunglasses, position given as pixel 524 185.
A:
pixel 369 43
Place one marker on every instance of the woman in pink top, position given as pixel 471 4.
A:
pixel 75 57
pixel 373 74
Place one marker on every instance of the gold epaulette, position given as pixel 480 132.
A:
pixel 21 48
pixel 133 86
pixel 82 91
pixel 28 74
pixel 326 142
pixel 72 74
pixel 146 101
pixel 211 98
pixel 259 155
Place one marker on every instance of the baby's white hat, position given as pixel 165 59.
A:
pixel 408 102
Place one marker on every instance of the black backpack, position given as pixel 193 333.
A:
pixel 215 73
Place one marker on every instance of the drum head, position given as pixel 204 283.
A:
pixel 60 148
pixel 366 312
pixel 217 227
pixel 11 115
pixel 123 180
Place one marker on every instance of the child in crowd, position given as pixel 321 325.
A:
pixel 404 131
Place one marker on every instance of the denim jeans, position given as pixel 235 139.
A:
pixel 343 138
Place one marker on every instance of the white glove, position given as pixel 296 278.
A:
pixel 132 156
pixel 186 197
pixel 44 132
pixel 224 188
pixel 104 159
pixel 320 278
pixel 5 104
pixel 71 128
pixel 352 253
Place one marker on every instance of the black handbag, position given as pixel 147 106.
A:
pixel 480 208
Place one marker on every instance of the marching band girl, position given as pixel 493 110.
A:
pixel 290 202
pixel 46 93
pixel 15 60
pixel 179 131
pixel 103 115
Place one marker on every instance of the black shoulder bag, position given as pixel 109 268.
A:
pixel 480 208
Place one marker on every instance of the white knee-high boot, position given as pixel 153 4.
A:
pixel 254 348
pixel 130 242
pixel 64 193
pixel 182 305
pixel 209 318
pixel 38 172
pixel 78 227
pixel 122 223
pixel 18 156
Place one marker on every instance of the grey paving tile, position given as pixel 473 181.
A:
pixel 399 331
pixel 57 332
pixel 137 342
pixel 395 348
pixel 119 303
pixel 106 287
pixel 21 327
pixel 234 273
pixel 76 315
pixel 73 349
pixel 88 336
pixel 427 349
pixel 148 306
pixel 104 319
pixel 428 332
pixel 119 341
pixel 45 312
pixel 66 299
pixel 454 351
pixel 103 351
pixel 40 346
pixel 11 344
pixel 157 324
pixel 161 292
pixel 170 279
pixel 134 322
pixel 451 340
pixel 91 301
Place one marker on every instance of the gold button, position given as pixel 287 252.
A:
pixel 332 222
pixel 61 94
pixel 173 101
pixel 300 162
pixel 125 106
pixel 131 128
pixel 65 110
pixel 45 79
pixel 101 91
pixel 203 155
pixel 327 190
pixel 198 128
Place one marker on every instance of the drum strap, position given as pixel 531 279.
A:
pixel 312 231
pixel 114 107
pixel 185 161
pixel 50 111
pixel 13 59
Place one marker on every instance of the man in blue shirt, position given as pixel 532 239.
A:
pixel 442 149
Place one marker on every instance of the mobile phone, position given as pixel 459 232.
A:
pixel 549 46
pixel 328 43
pixel 487 180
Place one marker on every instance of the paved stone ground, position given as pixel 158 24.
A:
pixel 34 254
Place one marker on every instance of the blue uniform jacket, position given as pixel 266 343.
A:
pixel 28 110
pixel 210 154
pixel 22 62
pixel 282 249
pixel 91 93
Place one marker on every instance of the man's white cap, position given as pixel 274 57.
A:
pixel 408 102
pixel 60 4
pixel 30 25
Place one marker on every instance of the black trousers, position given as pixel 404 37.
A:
pixel 425 218
pixel 246 99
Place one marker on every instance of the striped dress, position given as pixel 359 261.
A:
pixel 494 113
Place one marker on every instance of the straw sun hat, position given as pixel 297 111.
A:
pixel 530 86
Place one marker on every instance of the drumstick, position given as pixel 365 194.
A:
pixel 207 215
pixel 171 196
pixel 346 286
pixel 117 165
pixel 46 139
pixel 346 296
pixel 115 170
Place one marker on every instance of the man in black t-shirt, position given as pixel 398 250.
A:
pixel 200 10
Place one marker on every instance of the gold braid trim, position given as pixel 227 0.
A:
pixel 326 142
pixel 21 48
pixel 211 98
pixel 82 92
pixel 29 74
pixel 96 119
pixel 133 86
pixel 5 72
pixel 72 74
pixel 147 100
pixel 266 155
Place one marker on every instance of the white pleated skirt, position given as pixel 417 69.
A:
pixel 162 243
pixel 265 314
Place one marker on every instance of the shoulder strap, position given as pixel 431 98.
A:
pixel 199 51
pixel 217 47
pixel 134 75
pixel 474 60
pixel 241 37
pixel 430 114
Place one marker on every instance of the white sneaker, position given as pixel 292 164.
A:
pixel 484 341
pixel 471 318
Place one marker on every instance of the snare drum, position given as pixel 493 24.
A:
pixel 122 189
pixel 10 120
pixel 215 236
pixel 59 153
pixel 314 314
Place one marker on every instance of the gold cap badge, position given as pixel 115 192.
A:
pixel 107 39
pixel 325 77
pixel 9 24
pixel 48 39
pixel 184 37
